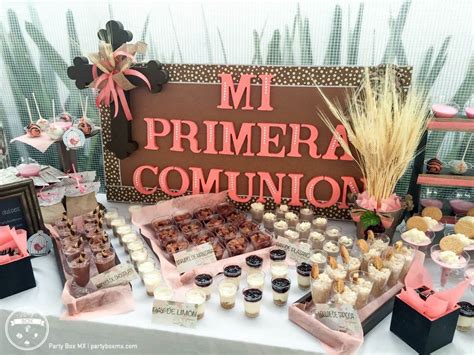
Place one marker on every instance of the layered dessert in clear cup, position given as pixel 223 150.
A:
pixel 281 290
pixel 117 222
pixel 198 297
pixel 80 269
pixel 181 216
pixel 225 208
pixel 331 248
pixel 236 217
pixel 257 210
pixel 319 257
pixel 281 210
pixel 343 294
pixel 163 293
pixel 215 221
pixel 123 230
pixel 408 252
pixel 151 280
pixel 252 302
pixel 320 223
pixel 191 228
pixel 351 263
pixel 134 246
pixel 104 260
pixel 269 218
pixel 247 228
pixel 160 222
pixel 145 267
pixel 254 263
pixel 303 272
pixel 316 239
pixel 292 235
pixel 378 275
pixel 226 232
pixel 466 316
pixel 333 233
pixel 233 274
pixel 306 214
pixel 362 286
pixel 203 213
pixel 334 270
pixel 256 280
pixel 277 256
pixel 304 229
pixel 280 227
pixel 320 286
pixel 110 215
pixel 279 270
pixel 204 283
pixel 72 251
pixel 127 239
pixel 347 241
pixel 292 219
pixel 394 262
pixel 380 242
pixel 227 293
pixel 139 256
pixel 99 243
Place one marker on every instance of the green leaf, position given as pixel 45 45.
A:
pixel 333 51
pixel 274 52
pixel 369 219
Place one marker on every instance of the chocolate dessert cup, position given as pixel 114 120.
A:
pixel 104 260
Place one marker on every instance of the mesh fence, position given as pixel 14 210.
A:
pixel 39 40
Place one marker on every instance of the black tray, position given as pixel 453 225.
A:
pixel 371 321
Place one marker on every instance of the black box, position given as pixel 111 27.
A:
pixel 421 333
pixel 16 277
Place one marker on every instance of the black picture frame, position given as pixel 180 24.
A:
pixel 19 207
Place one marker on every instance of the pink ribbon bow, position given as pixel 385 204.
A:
pixel 115 65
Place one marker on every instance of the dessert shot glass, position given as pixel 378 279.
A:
pixel 279 270
pixel 257 210
pixel 281 290
pixel 204 283
pixel 306 214
pixel 320 223
pixel 316 239
pixel 151 280
pixel 146 267
pixel 233 273
pixel 292 218
pixel 303 272
pixel 280 227
pixel 227 293
pixel 361 284
pixel 252 302
pixel 254 263
pixel 333 233
pixel 163 293
pixel 104 260
pixel 117 222
pixel 319 257
pixel 110 215
pixel 269 218
pixel 256 280
pixel 198 297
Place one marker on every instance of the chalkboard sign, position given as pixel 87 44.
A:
pixel 19 207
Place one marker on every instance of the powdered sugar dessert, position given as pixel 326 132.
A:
pixel 331 248
pixel 361 285
pixel 257 210
pixel 416 237
pixel 280 227
pixel 320 223
pixel 451 259
pixel 304 228
pixel 269 219
pixel 379 276
pixel 316 239
pixel 291 235
pixel 292 219
pixel 433 224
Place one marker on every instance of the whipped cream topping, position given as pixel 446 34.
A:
pixel 354 263
pixel 320 220
pixel 195 296
pixel 379 245
pixel 283 208
pixel 432 223
pixel 449 257
pixel 383 273
pixel 305 211
pixel 303 226
pixel 291 234
pixel 331 247
pixel 333 232
pixel 338 273
pixel 291 216
pixel 463 239
pixel 415 236
pixel 317 258
pixel 257 206
pixel 316 236
pixel 269 216
pixel 346 241
pixel 281 225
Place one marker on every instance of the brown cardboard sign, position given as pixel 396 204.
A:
pixel 254 131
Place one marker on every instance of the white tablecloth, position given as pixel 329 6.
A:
pixel 219 332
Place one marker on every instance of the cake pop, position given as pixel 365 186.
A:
pixel 84 124
pixel 434 166
pixel 54 132
pixel 41 122
pixel 460 167
pixel 32 130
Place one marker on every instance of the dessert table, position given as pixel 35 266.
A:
pixel 220 331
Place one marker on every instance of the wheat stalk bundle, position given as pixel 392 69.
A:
pixel 385 127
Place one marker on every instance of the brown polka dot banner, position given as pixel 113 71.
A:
pixel 253 130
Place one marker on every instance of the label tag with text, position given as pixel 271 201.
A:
pixel 177 313
pixel 299 252
pixel 190 258
pixel 340 317
pixel 118 275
